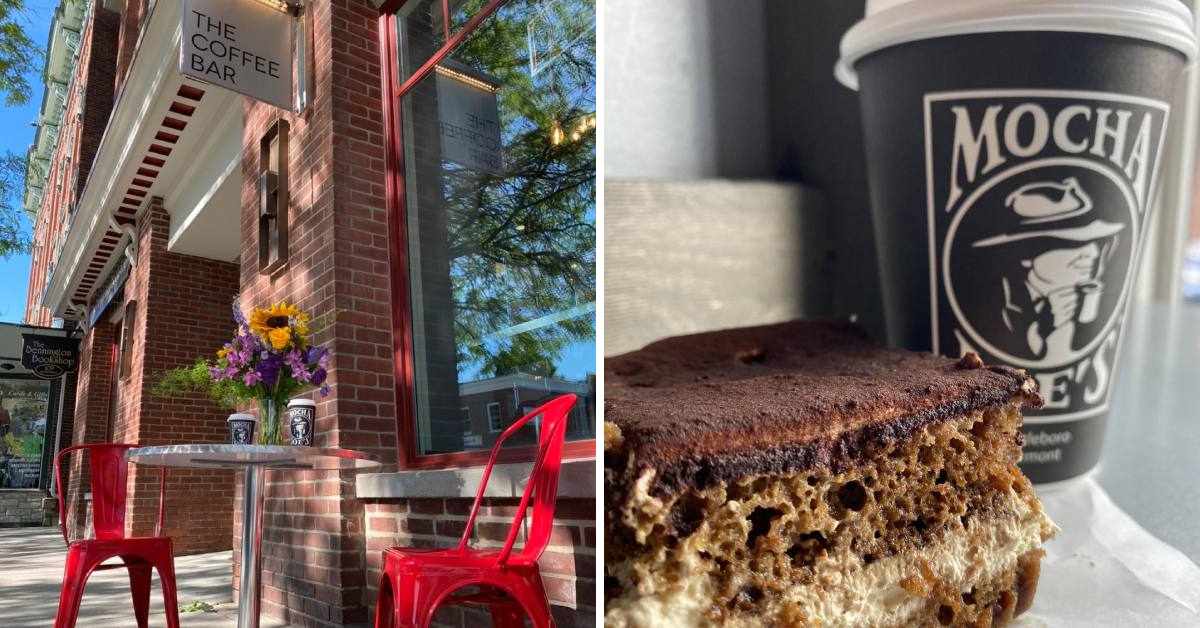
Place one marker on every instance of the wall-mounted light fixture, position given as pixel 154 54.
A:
pixel 273 198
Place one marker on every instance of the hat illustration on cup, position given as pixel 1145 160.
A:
pixel 1053 210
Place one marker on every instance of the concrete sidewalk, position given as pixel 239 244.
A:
pixel 31 569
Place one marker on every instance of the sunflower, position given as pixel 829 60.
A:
pixel 279 338
pixel 275 324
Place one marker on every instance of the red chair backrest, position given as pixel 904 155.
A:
pixel 542 488
pixel 109 477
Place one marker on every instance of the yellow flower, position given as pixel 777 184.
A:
pixel 300 324
pixel 222 352
pixel 280 337
pixel 263 320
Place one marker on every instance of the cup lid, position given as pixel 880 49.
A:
pixel 892 22
pixel 240 417
pixel 302 401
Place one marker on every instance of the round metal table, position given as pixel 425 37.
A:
pixel 255 460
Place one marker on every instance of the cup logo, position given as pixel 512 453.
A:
pixel 1037 206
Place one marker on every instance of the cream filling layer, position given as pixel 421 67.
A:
pixel 848 592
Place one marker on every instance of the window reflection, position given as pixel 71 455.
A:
pixel 499 154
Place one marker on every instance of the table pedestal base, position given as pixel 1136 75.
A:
pixel 249 599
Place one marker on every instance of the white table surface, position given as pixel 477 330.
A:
pixel 1151 461
pixel 240 456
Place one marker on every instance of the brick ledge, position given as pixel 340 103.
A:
pixel 578 480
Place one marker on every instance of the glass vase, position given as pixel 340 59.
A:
pixel 270 428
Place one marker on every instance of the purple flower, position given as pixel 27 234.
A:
pixel 295 361
pixel 318 378
pixel 324 390
pixel 268 368
pixel 251 378
pixel 238 316
pixel 317 355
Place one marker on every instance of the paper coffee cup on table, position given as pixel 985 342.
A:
pixel 241 428
pixel 302 415
pixel 1014 150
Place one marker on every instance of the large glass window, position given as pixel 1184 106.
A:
pixel 23 404
pixel 499 158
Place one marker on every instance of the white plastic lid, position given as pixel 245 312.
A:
pixel 893 22
pixel 240 417
pixel 302 401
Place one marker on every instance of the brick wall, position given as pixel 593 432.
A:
pixel 126 43
pixel 92 399
pixel 99 59
pixel 181 308
pixel 20 507
pixel 313 547
pixel 320 564
pixel 568 566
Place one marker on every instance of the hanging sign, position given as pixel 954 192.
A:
pixel 112 287
pixel 49 357
pixel 469 120
pixel 241 45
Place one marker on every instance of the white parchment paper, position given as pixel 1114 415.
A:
pixel 1103 569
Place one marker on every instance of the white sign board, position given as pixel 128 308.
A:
pixel 469 121
pixel 241 45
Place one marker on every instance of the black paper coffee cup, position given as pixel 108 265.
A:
pixel 1013 153
pixel 241 428
pixel 302 418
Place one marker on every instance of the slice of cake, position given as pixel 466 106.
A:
pixel 800 475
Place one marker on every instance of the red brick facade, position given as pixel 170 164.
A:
pixel 182 313
pixel 89 102
pixel 321 544
pixel 92 401
pixel 313 546
pixel 181 309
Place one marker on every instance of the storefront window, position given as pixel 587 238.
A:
pixel 499 160
pixel 23 404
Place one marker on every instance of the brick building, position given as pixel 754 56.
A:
pixel 437 186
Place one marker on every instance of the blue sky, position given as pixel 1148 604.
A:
pixel 15 136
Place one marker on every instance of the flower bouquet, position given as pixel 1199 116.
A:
pixel 268 361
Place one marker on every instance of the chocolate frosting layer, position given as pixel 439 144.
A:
pixel 713 407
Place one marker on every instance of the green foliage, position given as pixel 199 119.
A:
pixel 18 53
pixel 18 56
pixel 14 230
pixel 197 606
pixel 28 446
pixel 525 354
pixel 190 380
pixel 522 242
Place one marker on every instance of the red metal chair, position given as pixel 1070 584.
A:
pixel 416 582
pixel 110 472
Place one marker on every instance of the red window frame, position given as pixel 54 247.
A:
pixel 402 333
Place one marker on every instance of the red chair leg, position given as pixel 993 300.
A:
pixel 70 596
pixel 166 576
pixel 507 614
pixel 139 585
pixel 385 605
pixel 411 603
pixel 532 596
